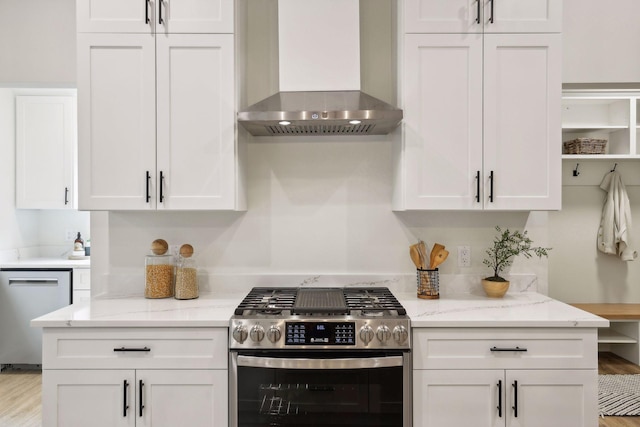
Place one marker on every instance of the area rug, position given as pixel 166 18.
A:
pixel 619 395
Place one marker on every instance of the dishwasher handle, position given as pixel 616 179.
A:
pixel 27 281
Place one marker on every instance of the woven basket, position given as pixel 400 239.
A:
pixel 585 146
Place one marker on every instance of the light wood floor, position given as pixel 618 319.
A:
pixel 20 394
pixel 20 398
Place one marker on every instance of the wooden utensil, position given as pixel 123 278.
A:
pixel 439 258
pixel 422 250
pixel 437 247
pixel 415 255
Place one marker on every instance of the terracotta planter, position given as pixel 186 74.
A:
pixel 495 289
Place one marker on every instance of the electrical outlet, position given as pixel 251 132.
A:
pixel 70 235
pixel 174 249
pixel 464 256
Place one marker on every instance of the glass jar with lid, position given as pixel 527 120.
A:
pixel 186 274
pixel 159 270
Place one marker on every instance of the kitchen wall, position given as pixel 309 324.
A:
pixel 314 206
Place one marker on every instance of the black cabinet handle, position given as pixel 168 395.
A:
pixel 161 185
pixel 500 398
pixel 491 18
pixel 141 406
pixel 160 20
pixel 491 187
pixel 132 349
pixel 515 399
pixel 477 186
pixel 146 11
pixel 66 195
pixel 124 403
pixel 507 349
pixel 148 189
pixel 478 12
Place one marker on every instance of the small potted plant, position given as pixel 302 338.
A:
pixel 506 246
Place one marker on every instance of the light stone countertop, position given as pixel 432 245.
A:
pixel 526 309
pixel 47 263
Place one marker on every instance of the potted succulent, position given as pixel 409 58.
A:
pixel 507 245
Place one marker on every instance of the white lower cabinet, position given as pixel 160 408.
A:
pixel 135 377
pixel 508 377
pixel 135 397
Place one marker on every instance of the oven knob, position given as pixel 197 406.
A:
pixel 366 334
pixel 274 334
pixel 400 334
pixel 240 334
pixel 383 333
pixel 257 333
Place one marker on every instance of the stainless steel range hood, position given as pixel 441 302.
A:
pixel 319 76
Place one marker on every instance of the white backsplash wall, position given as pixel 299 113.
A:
pixel 316 206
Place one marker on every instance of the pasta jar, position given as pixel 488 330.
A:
pixel 159 269
pixel 186 274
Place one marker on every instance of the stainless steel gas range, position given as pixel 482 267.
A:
pixel 320 357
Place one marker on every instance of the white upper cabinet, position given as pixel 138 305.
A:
pixel 45 152
pixel 477 16
pixel 482 122
pixel 155 16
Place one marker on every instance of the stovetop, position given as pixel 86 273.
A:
pixel 377 301
pixel 320 318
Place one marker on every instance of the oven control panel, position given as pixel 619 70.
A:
pixel 320 333
pixel 249 333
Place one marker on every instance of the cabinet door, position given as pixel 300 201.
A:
pixel 194 16
pixel 116 121
pixel 443 16
pixel 45 144
pixel 459 398
pixel 442 97
pixel 77 398
pixel 115 16
pixel 523 16
pixel 566 398
pixel 196 121
pixel 522 121
pixel 182 398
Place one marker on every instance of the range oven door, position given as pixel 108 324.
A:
pixel 320 389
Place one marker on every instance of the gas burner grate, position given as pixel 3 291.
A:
pixel 268 300
pixel 372 300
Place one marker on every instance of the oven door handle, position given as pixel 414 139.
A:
pixel 294 363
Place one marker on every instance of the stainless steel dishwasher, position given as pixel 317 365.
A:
pixel 24 295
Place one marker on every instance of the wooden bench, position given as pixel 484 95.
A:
pixel 623 333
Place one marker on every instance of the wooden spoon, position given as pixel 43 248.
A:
pixel 437 247
pixel 439 258
pixel 422 250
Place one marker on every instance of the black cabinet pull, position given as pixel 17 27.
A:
pixel 66 195
pixel 507 349
pixel 141 406
pixel 491 18
pixel 132 349
pixel 477 186
pixel 124 403
pixel 478 12
pixel 146 11
pixel 161 185
pixel 500 398
pixel 515 399
pixel 160 20
pixel 491 187
pixel 148 189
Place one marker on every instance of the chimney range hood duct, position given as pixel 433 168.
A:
pixel 319 73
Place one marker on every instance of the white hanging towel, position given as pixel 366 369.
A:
pixel 615 225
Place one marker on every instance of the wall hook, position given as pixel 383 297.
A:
pixel 575 171
pixel 614 167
